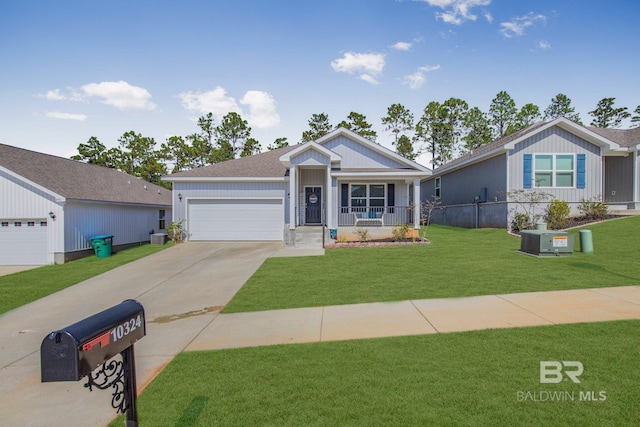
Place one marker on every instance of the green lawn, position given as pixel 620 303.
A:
pixel 22 288
pixel 458 262
pixel 477 378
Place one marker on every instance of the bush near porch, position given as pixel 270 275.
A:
pixel 458 262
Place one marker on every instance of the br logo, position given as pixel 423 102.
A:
pixel 553 371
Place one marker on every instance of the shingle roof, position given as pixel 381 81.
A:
pixel 81 181
pixel 622 137
pixel 260 165
pixel 498 143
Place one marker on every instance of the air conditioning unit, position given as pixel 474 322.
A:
pixel 546 243
pixel 159 239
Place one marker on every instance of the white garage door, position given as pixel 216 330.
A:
pixel 23 241
pixel 236 219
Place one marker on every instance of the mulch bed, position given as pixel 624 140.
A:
pixel 376 243
pixel 576 222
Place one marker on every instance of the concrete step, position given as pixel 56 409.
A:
pixel 308 238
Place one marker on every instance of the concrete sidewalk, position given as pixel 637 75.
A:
pixel 375 320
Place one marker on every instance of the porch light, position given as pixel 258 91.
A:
pixel 180 196
pixel 52 215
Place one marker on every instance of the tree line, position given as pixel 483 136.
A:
pixel 448 129
pixel 445 130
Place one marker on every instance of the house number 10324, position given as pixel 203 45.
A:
pixel 126 328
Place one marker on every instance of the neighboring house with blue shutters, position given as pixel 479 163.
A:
pixel 567 160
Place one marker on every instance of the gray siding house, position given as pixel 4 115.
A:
pixel 50 207
pixel 342 180
pixel 567 160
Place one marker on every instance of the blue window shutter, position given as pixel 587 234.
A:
pixel 582 171
pixel 527 167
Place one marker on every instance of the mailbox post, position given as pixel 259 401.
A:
pixel 78 350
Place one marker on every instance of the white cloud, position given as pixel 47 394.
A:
pixel 262 109
pixel 417 79
pixel 369 79
pixel 457 11
pixel 213 101
pixel 57 95
pixel 120 94
pixel 54 95
pixel 517 26
pixel 401 46
pixel 543 44
pixel 66 116
pixel 368 65
pixel 488 16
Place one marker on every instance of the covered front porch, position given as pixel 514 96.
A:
pixel 376 216
pixel 344 180
pixel 324 196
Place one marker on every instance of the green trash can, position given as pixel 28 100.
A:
pixel 586 241
pixel 102 245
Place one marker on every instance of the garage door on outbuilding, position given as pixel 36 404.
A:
pixel 23 241
pixel 235 219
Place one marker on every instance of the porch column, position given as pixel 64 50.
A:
pixel 417 203
pixel 329 200
pixel 293 197
pixel 636 181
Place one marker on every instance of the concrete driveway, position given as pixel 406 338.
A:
pixel 182 290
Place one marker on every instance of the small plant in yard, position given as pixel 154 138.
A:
pixel 528 201
pixel 363 234
pixel 557 214
pixel 426 212
pixel 175 231
pixel 593 209
pixel 400 232
pixel 341 238
pixel 520 222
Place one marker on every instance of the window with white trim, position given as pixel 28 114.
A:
pixel 368 196
pixel 438 184
pixel 554 170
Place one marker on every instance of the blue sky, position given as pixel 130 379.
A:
pixel 75 69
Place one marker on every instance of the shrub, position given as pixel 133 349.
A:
pixel 341 238
pixel 593 209
pixel 521 221
pixel 175 231
pixel 363 234
pixel 400 232
pixel 557 214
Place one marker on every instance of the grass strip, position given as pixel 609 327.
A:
pixel 26 286
pixel 457 379
pixel 459 262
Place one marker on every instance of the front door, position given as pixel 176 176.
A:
pixel 313 205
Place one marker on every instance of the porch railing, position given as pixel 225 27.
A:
pixel 391 215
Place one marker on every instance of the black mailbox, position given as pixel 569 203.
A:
pixel 75 351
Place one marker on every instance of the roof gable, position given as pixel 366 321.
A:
pixel 285 159
pixel 396 159
pixel 71 179
pixel 509 142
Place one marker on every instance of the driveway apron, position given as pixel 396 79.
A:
pixel 182 289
